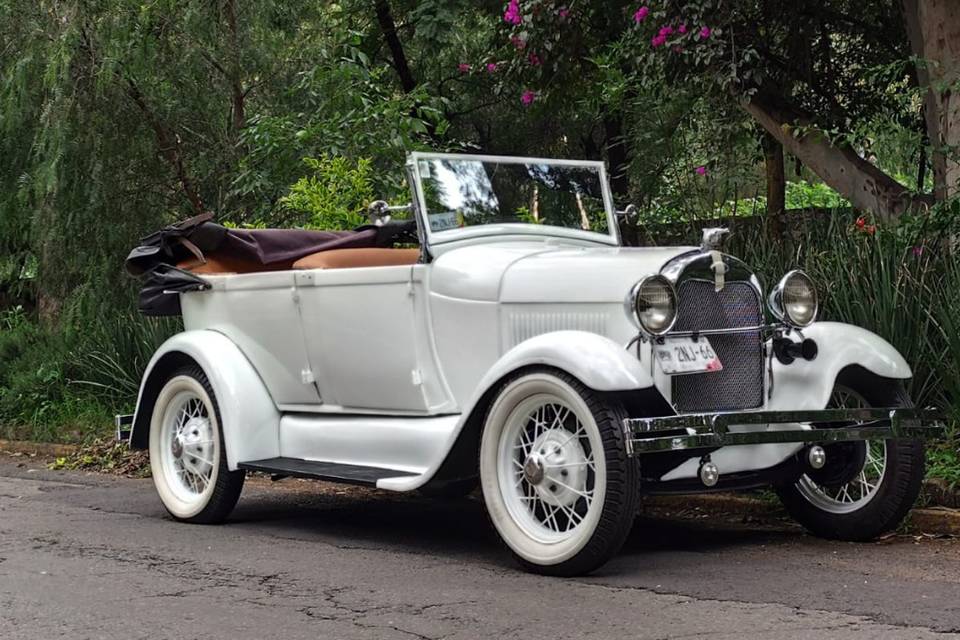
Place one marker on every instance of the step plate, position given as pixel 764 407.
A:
pixel 332 471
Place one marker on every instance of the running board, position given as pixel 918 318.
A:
pixel 332 471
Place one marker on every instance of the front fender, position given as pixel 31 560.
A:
pixel 808 384
pixel 249 418
pixel 597 361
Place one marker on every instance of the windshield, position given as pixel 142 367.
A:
pixel 470 192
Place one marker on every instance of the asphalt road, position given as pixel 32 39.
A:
pixel 91 556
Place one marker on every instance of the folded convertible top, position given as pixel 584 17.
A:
pixel 198 235
pixel 160 252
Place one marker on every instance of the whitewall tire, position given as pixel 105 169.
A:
pixel 558 485
pixel 187 457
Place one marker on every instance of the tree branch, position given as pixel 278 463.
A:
pixel 168 144
pixel 864 185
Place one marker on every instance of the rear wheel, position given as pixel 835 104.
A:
pixel 556 479
pixel 866 488
pixel 187 457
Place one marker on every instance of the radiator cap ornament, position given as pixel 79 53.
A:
pixel 712 239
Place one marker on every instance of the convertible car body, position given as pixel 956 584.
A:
pixel 514 342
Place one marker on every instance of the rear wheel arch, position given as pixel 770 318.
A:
pixel 158 375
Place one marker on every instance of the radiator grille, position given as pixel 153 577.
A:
pixel 740 384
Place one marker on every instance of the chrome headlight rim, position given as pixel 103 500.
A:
pixel 781 311
pixel 635 312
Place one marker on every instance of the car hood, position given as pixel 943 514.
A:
pixel 542 273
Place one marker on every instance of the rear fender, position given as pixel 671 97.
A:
pixel 249 418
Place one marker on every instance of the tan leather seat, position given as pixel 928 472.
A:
pixel 226 264
pixel 353 258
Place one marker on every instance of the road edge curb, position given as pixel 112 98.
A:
pixel 931 520
pixel 28 448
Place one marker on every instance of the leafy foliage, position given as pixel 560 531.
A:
pixel 334 195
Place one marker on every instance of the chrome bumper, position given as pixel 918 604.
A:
pixel 711 430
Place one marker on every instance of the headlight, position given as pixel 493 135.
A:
pixel 794 299
pixel 654 303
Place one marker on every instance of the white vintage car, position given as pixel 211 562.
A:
pixel 520 347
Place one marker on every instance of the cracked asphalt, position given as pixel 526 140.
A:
pixel 92 556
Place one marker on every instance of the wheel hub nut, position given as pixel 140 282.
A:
pixel 817 457
pixel 533 469
pixel 177 448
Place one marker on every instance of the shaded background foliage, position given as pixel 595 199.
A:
pixel 117 117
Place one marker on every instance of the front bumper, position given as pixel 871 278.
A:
pixel 713 430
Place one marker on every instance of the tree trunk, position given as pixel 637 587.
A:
pixel 776 184
pixel 617 157
pixel 237 92
pixel 864 185
pixel 389 28
pixel 934 30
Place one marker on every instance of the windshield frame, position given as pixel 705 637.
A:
pixel 435 238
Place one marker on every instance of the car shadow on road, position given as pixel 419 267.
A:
pixel 457 528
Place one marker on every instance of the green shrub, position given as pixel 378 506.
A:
pixel 334 196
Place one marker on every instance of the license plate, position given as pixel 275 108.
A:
pixel 686 355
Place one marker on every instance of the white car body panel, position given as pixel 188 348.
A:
pixel 383 366
pixel 508 300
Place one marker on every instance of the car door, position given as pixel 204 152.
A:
pixel 368 340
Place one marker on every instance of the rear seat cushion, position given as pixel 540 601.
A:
pixel 226 264
pixel 352 258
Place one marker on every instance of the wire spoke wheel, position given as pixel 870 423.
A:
pixel 191 444
pixel 556 480
pixel 187 458
pixel 866 487
pixel 856 491
pixel 552 472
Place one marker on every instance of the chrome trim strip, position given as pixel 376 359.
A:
pixel 711 430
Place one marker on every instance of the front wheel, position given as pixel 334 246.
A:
pixel 187 456
pixel 556 480
pixel 866 488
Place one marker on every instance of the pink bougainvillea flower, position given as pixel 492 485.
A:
pixel 666 31
pixel 918 251
pixel 641 14
pixel 512 14
pixel 657 41
pixel 527 97
pixel 491 67
pixel 463 67
pixel 563 12
pixel 534 59
pixel 518 42
pixel 682 28
pixel 705 33
pixel 701 170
